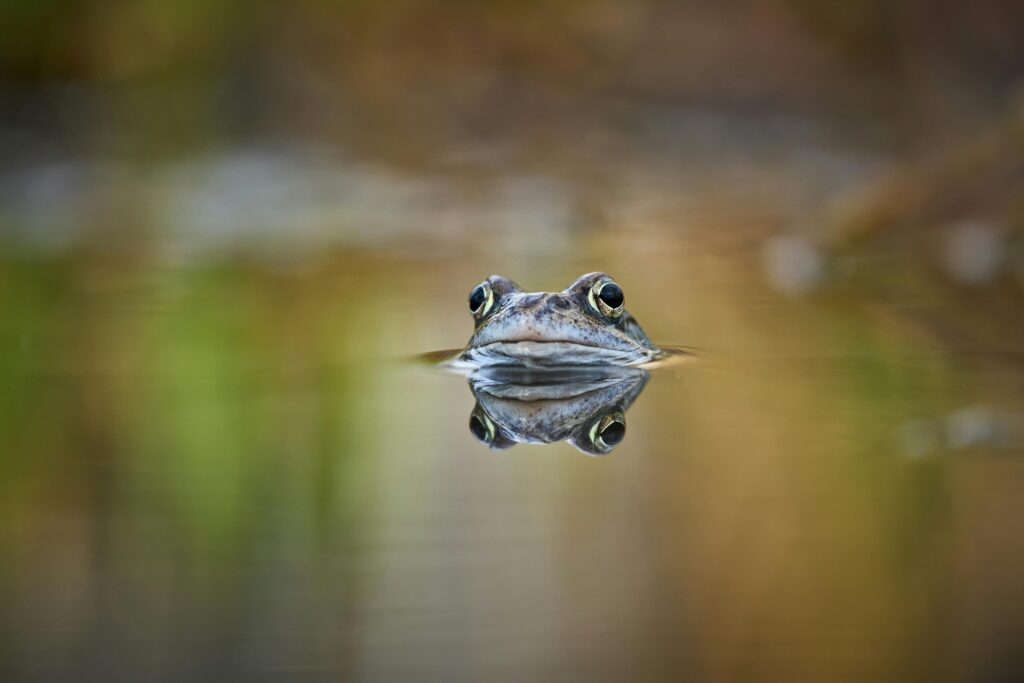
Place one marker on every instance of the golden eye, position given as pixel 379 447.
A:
pixel 606 298
pixel 481 299
pixel 607 432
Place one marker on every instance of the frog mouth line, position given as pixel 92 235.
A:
pixel 543 343
pixel 553 352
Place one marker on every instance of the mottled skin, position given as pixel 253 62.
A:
pixel 554 328
pixel 573 406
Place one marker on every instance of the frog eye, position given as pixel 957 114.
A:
pixel 481 427
pixel 481 299
pixel 606 298
pixel 607 432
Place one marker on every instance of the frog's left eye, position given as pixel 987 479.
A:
pixel 481 299
pixel 607 298
pixel 607 432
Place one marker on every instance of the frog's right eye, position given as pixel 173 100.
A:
pixel 606 298
pixel 481 299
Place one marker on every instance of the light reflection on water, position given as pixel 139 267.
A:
pixel 229 468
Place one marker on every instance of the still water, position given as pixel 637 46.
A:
pixel 237 467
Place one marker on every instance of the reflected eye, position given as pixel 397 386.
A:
pixel 607 298
pixel 481 427
pixel 481 299
pixel 608 432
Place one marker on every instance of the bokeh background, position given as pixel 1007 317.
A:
pixel 226 227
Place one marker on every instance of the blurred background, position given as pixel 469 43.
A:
pixel 226 227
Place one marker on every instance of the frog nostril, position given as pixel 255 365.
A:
pixel 559 302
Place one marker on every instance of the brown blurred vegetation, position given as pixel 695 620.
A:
pixel 428 72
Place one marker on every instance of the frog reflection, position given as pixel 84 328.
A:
pixel 583 406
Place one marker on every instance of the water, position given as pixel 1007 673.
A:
pixel 230 232
pixel 223 457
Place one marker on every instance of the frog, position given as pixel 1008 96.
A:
pixel 584 324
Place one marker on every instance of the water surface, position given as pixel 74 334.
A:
pixel 228 467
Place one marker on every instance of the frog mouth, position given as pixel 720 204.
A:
pixel 532 352
pixel 529 342
pixel 538 340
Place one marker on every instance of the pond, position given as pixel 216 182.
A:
pixel 224 456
